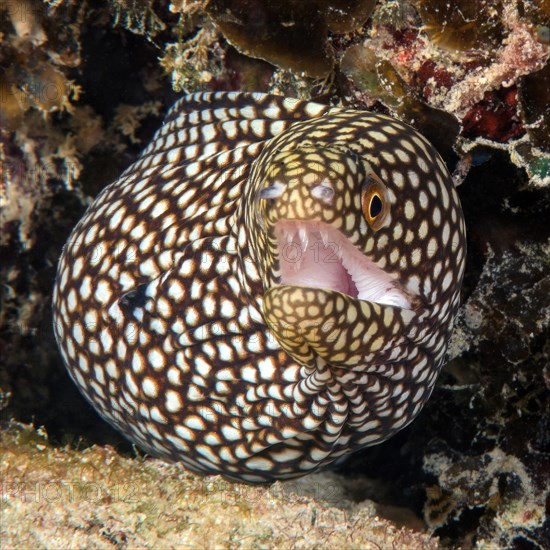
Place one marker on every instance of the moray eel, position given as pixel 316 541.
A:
pixel 269 287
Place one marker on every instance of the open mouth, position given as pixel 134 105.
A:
pixel 314 254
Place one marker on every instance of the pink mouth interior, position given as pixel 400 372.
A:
pixel 314 254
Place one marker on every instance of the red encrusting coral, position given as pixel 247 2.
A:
pixel 432 77
pixel 495 117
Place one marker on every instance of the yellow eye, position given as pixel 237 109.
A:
pixel 374 202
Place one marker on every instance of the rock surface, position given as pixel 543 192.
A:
pixel 94 498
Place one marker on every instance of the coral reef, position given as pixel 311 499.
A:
pixel 83 87
pixel 462 25
pixel 533 100
pixel 97 499
pixel 276 31
pixel 467 60
pixel 505 322
pixel 60 119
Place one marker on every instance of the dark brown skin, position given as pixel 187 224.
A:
pixel 184 321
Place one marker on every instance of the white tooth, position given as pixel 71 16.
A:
pixel 289 237
pixel 324 237
pixel 303 234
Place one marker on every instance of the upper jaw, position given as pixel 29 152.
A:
pixel 314 254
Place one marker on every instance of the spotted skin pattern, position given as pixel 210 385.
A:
pixel 172 306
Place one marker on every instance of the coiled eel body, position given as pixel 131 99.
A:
pixel 270 286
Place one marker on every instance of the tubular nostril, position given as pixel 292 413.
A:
pixel 272 192
pixel 323 192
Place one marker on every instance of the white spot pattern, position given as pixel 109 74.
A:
pixel 162 300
